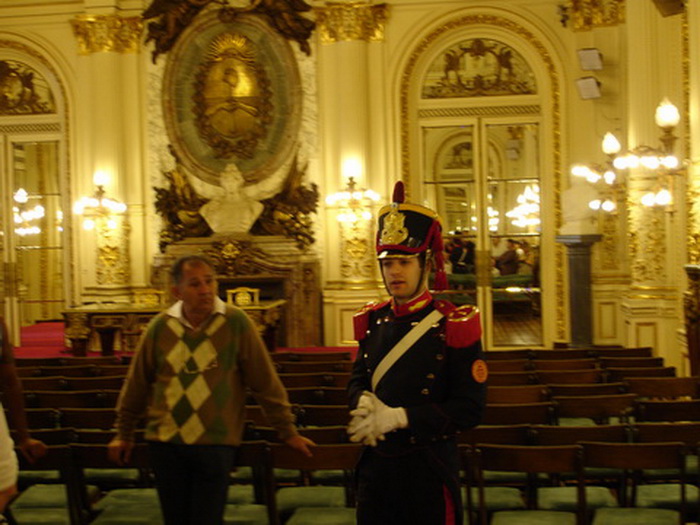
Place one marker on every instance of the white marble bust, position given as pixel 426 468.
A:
pixel 577 216
pixel 234 206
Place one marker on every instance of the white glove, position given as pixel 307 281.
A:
pixel 380 420
pixel 365 405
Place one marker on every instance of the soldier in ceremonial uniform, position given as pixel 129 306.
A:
pixel 418 379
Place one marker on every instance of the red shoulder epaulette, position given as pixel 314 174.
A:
pixel 463 324
pixel 360 320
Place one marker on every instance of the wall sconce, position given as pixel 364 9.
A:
pixel 353 204
pixel 99 210
pixel 661 161
pixel 25 217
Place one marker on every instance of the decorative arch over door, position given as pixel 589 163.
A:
pixel 35 217
pixel 480 111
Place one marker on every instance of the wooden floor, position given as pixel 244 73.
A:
pixel 516 325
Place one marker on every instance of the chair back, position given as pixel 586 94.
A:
pixel 520 413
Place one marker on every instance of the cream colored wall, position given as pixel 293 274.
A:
pixel 359 86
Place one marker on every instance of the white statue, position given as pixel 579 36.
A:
pixel 234 207
pixel 577 216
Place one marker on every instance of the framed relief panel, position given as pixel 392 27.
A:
pixel 232 93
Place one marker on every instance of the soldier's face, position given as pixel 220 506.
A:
pixel 402 278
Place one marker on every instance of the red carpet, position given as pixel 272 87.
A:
pixel 46 340
pixel 41 340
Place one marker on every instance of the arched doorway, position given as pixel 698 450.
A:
pixel 481 129
pixel 35 205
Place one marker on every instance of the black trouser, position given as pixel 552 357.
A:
pixel 401 490
pixel 192 481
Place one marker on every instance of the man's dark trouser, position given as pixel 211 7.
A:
pixel 192 481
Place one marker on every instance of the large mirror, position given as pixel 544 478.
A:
pixel 485 180
pixel 36 233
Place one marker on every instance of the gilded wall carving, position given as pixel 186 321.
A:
pixel 491 111
pixel 358 260
pixel 647 244
pixel 170 18
pixel 23 90
pixel 102 33
pixel 351 21
pixel 478 67
pixel 232 98
pixel 585 15
pixel 113 262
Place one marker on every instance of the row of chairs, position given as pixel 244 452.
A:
pixel 583 376
pixel 628 449
pixel 592 410
pixel 265 501
pixel 72 361
pixel 644 387
pixel 586 363
pixel 85 370
pixel 569 353
pixel 518 452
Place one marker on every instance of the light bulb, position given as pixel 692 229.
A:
pixel 667 115
pixel 608 206
pixel 663 197
pixel 611 145
pixel 100 178
pixel 594 204
pixel 649 199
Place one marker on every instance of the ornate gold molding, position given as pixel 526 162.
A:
pixel 589 14
pixel 96 33
pixel 338 21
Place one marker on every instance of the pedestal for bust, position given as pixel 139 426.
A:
pixel 272 264
pixel 580 306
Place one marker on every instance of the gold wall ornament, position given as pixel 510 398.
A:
pixel 23 90
pixel 478 67
pixel 647 247
pixel 347 21
pixel 289 212
pixel 357 261
pixel 589 14
pixel 232 98
pixel 172 17
pixel 113 261
pixel 96 33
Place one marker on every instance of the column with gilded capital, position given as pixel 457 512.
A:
pixel 351 36
pixel 109 132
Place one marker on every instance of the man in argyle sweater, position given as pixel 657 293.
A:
pixel 188 380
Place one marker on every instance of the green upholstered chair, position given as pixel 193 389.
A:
pixel 640 502
pixel 57 503
pixel 533 461
pixel 311 503
pixel 594 410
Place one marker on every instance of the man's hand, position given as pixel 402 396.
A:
pixel 301 444
pixel 6 496
pixel 119 451
pixel 32 449
pixel 370 425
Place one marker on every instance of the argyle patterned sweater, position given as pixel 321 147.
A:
pixel 190 385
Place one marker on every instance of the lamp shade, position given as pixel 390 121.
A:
pixel 611 145
pixel 667 115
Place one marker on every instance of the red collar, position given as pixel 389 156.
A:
pixel 412 306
